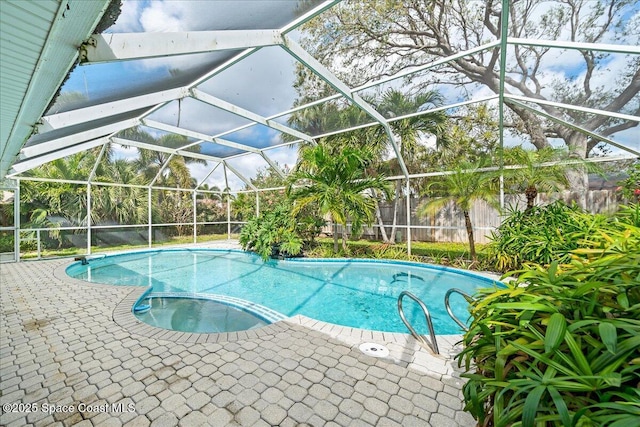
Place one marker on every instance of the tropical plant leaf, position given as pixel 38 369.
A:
pixel 609 336
pixel 556 328
pixel 530 408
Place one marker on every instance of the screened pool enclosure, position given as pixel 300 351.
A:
pixel 144 119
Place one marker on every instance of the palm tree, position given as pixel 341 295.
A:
pixel 123 205
pixel 463 186
pixel 335 180
pixel 175 171
pixel 534 176
pixel 60 199
pixel 168 171
pixel 411 131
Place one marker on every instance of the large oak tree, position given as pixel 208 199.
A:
pixel 367 39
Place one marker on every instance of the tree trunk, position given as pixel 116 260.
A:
pixel 472 246
pixel 383 230
pixel 344 239
pixel 577 176
pixel 530 193
pixel 395 211
pixel 335 236
pixel 345 233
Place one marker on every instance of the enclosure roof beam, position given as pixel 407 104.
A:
pixel 313 64
pixel 394 77
pixel 161 170
pixel 96 164
pixel 226 179
pixel 309 15
pixel 208 175
pixel 155 100
pixel 241 176
pixel 445 107
pixel 562 44
pixel 578 128
pixel 573 107
pixel 33 162
pixel 87 114
pixel 227 106
pixel 189 133
pixel 152 147
pixel 273 164
pixel 128 46
pixel 76 138
pixel 406 116
pixel 514 167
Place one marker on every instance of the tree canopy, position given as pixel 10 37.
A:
pixel 365 40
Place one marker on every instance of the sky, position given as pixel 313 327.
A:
pixel 262 83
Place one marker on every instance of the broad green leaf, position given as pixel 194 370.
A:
pixel 625 421
pixel 531 406
pixel 555 332
pixel 623 300
pixel 609 336
pixel 577 354
pixel 613 379
pixel 623 349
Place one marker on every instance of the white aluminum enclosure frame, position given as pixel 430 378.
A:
pixel 130 46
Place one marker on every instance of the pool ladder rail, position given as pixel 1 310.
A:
pixel 422 340
pixel 433 345
pixel 466 296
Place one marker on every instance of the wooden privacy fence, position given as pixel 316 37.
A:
pixel 447 225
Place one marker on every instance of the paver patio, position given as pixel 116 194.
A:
pixel 68 342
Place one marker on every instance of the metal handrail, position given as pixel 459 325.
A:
pixel 433 345
pixel 466 296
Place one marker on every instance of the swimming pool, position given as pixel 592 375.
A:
pixel 349 292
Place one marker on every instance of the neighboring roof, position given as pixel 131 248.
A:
pixel 38 45
pixel 222 82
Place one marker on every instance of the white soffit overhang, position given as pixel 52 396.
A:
pixel 39 43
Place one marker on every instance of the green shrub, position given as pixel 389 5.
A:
pixel 273 233
pixel 561 344
pixel 6 242
pixel 541 235
pixel 630 187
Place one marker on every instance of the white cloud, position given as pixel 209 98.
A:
pixel 129 19
pixel 163 16
pixel 286 156
pixel 126 153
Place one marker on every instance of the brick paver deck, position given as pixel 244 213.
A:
pixel 71 353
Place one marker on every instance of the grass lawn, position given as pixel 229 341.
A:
pixel 177 240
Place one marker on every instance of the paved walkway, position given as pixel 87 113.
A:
pixel 70 355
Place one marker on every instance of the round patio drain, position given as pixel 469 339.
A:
pixel 373 349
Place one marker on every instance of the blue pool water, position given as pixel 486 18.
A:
pixel 355 293
pixel 198 315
